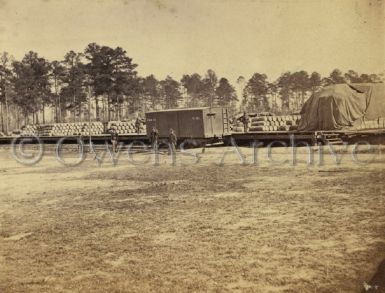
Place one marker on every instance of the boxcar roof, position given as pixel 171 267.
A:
pixel 183 109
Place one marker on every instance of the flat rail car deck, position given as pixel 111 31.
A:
pixel 269 137
pixel 374 136
pixel 96 139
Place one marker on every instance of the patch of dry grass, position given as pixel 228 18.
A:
pixel 191 228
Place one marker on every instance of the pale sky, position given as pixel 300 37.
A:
pixel 232 37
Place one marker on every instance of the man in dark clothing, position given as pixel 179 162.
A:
pixel 114 139
pixel 172 141
pixel 138 123
pixel 80 141
pixel 245 120
pixel 154 138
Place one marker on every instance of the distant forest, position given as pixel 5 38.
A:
pixel 102 84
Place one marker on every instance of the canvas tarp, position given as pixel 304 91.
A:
pixel 340 106
pixel 375 99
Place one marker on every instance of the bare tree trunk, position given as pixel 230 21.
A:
pixel 74 108
pixel 60 116
pixel 97 108
pixel 18 117
pixel 103 108
pixel 55 110
pixel 2 116
pixel 7 113
pixel 43 111
pixel 121 110
pixel 108 108
pixel 57 102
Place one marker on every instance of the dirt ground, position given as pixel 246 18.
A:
pixel 263 227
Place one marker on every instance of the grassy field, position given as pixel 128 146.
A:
pixel 191 227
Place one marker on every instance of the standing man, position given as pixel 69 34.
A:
pixel 80 141
pixel 172 141
pixel 138 123
pixel 245 120
pixel 114 139
pixel 154 138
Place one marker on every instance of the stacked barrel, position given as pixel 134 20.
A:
pixel 126 127
pixel 274 123
pixel 68 129
pixel 81 128
pixel 236 127
pixel 270 123
pixel 29 130
pixel 64 129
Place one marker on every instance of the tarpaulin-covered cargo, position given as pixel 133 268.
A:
pixel 341 106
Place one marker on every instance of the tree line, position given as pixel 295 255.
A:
pixel 289 92
pixel 101 83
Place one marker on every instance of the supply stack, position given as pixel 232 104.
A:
pixel 269 123
pixel 29 130
pixel 274 123
pixel 126 127
pixel 64 129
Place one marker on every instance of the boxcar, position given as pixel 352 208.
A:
pixel 203 123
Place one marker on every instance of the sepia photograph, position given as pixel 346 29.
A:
pixel 192 146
